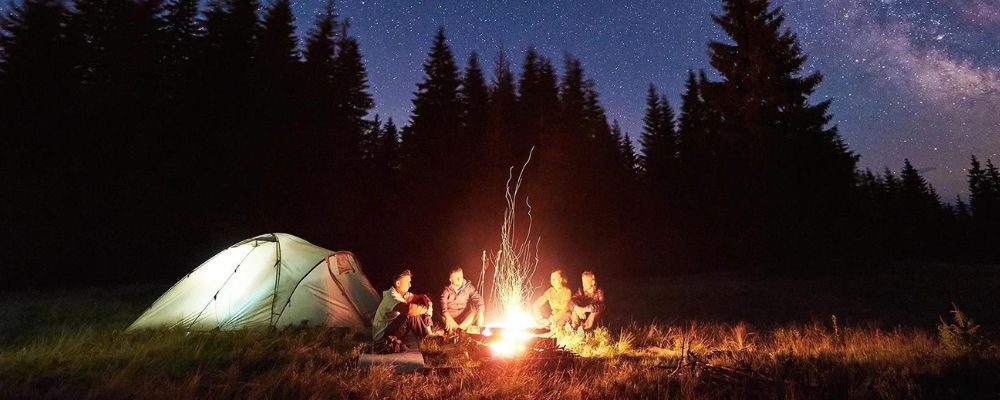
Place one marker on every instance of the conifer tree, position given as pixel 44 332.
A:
pixel 278 49
pixel 350 97
pixel 39 79
pixel 500 132
pixel 782 168
pixel 691 129
pixel 181 42
pixel 436 108
pixel 319 68
pixel 474 96
pixel 979 189
pixel 658 142
pixel 278 62
pixel 429 143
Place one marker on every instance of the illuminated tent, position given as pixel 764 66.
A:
pixel 274 279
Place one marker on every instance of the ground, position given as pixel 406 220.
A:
pixel 698 336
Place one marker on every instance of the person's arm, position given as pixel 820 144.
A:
pixel 598 304
pixel 537 308
pixel 399 309
pixel 449 322
pixel 477 300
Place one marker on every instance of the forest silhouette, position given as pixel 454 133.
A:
pixel 141 136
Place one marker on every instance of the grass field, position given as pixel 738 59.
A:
pixel 702 336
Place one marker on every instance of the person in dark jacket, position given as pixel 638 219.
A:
pixel 588 304
pixel 462 306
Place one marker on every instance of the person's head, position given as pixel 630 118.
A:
pixel 557 279
pixel 589 280
pixel 403 281
pixel 456 277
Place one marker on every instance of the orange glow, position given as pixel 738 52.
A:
pixel 512 336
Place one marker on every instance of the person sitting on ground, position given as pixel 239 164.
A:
pixel 462 306
pixel 401 313
pixel 588 304
pixel 558 298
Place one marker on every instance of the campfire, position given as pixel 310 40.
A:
pixel 516 334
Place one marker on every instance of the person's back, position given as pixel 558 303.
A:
pixel 392 305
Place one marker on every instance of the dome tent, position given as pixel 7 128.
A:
pixel 274 279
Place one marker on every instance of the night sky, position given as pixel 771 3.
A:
pixel 916 79
pixel 910 78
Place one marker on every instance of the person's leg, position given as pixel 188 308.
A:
pixel 467 318
pixel 417 326
pixel 398 326
pixel 579 316
pixel 561 318
pixel 393 340
pixel 592 321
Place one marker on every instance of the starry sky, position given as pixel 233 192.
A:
pixel 910 78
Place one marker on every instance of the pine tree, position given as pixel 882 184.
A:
pixel 436 108
pixel 573 134
pixel 474 96
pixel 500 133
pixel 429 143
pixel 692 129
pixel 911 183
pixel 389 146
pixel 538 101
pixel 979 190
pixel 278 61
pixel 786 174
pixel 350 97
pixel 278 49
pixel 39 84
pixel 319 68
pixel 659 142
pixel 181 41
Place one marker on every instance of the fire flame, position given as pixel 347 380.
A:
pixel 514 265
pixel 512 335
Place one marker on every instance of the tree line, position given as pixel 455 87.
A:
pixel 143 135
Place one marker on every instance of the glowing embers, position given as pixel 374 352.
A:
pixel 517 335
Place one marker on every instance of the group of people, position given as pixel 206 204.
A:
pixel 402 314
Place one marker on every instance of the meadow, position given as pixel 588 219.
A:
pixel 890 334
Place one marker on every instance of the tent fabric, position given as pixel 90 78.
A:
pixel 275 279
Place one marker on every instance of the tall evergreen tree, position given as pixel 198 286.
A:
pixel 500 132
pixel 320 58
pixel 429 143
pixel 278 63
pixel 39 71
pixel 691 129
pixel 181 41
pixel 538 101
pixel 352 102
pixel 787 174
pixel 659 145
pixel 278 46
pixel 474 96
pixel 436 107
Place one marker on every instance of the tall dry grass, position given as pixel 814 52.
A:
pixel 641 361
